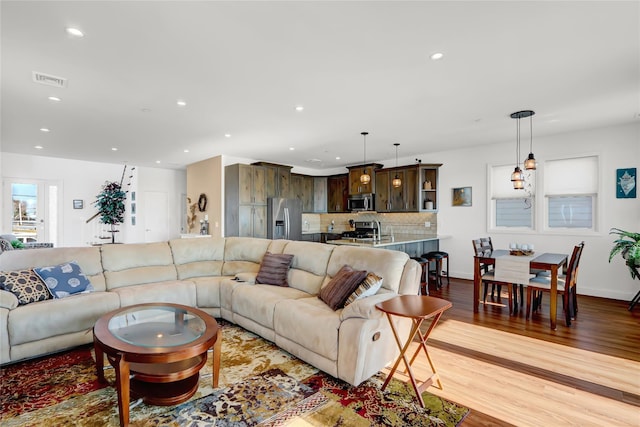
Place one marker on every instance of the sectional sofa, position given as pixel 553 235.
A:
pixel 217 275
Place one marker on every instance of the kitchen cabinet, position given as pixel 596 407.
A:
pixel 245 201
pixel 320 194
pixel 397 199
pixel 302 189
pixel 429 183
pixel 277 179
pixel 337 193
pixel 355 172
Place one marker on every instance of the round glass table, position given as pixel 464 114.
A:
pixel 157 351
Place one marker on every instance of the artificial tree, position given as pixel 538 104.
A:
pixel 111 208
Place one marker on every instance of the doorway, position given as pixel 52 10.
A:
pixel 33 210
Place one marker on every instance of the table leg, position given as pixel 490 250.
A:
pixel 99 362
pixel 477 276
pixel 553 304
pixel 423 346
pixel 122 386
pixel 217 350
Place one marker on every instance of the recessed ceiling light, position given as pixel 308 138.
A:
pixel 44 130
pixel 338 158
pixel 54 98
pixel 145 110
pixel 158 161
pixel 74 32
pixel 299 108
pixel 436 56
pixel 291 148
pixel 38 147
pixel 186 151
pixel 181 103
pixel 114 148
pixel 227 135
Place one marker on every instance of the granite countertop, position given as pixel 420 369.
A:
pixel 397 239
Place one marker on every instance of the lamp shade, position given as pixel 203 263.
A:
pixel 365 178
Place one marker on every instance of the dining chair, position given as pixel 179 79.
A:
pixel 567 286
pixel 484 246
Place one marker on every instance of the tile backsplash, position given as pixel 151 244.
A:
pixel 404 223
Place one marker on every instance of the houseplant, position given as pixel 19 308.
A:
pixel 110 204
pixel 628 245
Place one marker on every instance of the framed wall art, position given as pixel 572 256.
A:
pixel 461 196
pixel 626 183
pixel 78 204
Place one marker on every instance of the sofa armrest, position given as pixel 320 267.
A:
pixel 8 300
pixel 365 308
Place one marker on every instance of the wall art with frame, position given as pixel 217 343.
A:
pixel 626 180
pixel 461 196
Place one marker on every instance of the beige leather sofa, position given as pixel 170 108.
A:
pixel 351 343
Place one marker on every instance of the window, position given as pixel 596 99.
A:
pixel 571 188
pixel 511 209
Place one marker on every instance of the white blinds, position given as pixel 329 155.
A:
pixel 571 176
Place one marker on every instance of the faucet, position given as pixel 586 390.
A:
pixel 379 232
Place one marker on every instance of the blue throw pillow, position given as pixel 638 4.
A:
pixel 64 279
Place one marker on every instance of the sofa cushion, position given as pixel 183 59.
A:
pixel 64 279
pixel 336 292
pixel 369 286
pixel 174 291
pixel 25 285
pixel 309 266
pixel 198 257
pixel 274 269
pixel 258 302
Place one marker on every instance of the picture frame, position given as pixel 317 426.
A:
pixel 78 204
pixel 626 183
pixel 461 196
pixel 133 208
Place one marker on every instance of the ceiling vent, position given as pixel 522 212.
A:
pixel 49 80
pixel 313 160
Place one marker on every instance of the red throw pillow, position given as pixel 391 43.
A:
pixel 274 269
pixel 336 292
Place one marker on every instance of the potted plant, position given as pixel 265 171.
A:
pixel 628 245
pixel 110 204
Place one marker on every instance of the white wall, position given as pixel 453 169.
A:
pixel 618 147
pixel 83 180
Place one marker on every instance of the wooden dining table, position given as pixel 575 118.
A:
pixel 544 261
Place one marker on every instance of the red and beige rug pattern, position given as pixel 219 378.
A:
pixel 259 385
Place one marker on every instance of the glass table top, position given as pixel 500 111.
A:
pixel 157 326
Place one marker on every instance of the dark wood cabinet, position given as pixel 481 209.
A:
pixel 245 201
pixel 337 193
pixel 277 179
pixel 320 194
pixel 397 199
pixel 355 172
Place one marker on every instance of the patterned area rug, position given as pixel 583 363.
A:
pixel 259 385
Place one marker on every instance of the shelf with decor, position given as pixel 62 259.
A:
pixel 429 187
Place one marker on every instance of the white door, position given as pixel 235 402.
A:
pixel 156 216
pixel 33 210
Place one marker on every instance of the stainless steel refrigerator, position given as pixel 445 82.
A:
pixel 284 218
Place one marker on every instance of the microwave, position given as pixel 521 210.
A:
pixel 361 202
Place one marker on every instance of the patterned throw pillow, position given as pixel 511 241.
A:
pixel 274 269
pixel 369 286
pixel 24 284
pixel 64 279
pixel 336 292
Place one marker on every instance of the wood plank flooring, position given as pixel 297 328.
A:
pixel 511 371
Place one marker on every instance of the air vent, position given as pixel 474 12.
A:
pixel 49 80
pixel 313 160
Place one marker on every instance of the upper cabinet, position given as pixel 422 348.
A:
pixel 337 193
pixel 429 187
pixel 277 179
pixel 355 172
pixel 320 194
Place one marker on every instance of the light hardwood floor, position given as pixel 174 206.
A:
pixel 511 371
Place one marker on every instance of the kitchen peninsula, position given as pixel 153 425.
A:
pixel 412 244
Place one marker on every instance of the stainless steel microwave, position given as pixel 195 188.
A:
pixel 361 202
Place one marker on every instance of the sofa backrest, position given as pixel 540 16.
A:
pixel 309 265
pixel 88 258
pixel 197 257
pixel 137 263
pixel 243 255
pixel 385 263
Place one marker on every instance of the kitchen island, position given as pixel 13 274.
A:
pixel 412 244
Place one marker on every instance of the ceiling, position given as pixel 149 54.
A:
pixel 243 67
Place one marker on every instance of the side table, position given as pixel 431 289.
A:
pixel 418 308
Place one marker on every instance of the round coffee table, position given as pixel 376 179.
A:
pixel 157 351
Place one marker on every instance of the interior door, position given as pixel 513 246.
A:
pixel 156 216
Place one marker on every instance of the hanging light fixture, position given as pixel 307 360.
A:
pixel 530 162
pixel 396 182
pixel 365 178
pixel 517 177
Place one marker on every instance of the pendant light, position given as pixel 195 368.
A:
pixel 517 177
pixel 365 178
pixel 396 182
pixel 530 162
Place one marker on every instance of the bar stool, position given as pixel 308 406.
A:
pixel 424 275
pixel 436 257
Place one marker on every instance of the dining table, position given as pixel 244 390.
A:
pixel 551 262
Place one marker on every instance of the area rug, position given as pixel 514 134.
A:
pixel 259 385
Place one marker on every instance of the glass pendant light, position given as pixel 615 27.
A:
pixel 365 178
pixel 396 182
pixel 530 162
pixel 517 177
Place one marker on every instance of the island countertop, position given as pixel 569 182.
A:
pixel 397 239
